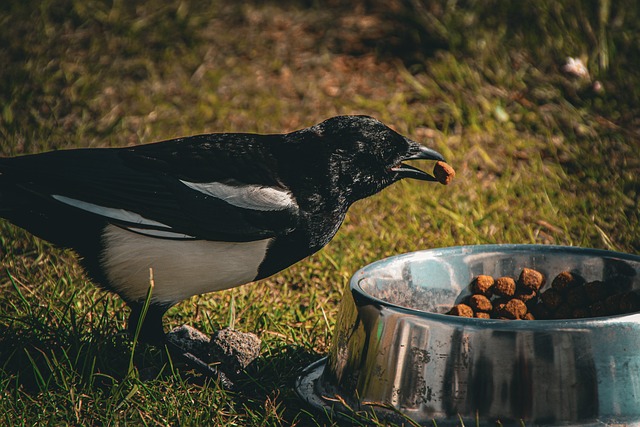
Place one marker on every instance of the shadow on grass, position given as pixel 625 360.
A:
pixel 270 380
pixel 38 358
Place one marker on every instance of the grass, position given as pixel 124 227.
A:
pixel 540 157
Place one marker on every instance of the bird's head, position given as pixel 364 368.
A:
pixel 366 156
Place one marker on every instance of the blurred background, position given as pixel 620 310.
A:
pixel 534 103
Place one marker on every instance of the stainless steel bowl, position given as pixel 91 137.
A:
pixel 395 353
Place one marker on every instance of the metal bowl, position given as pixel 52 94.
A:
pixel 395 353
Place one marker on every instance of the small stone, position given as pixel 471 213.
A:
pixel 191 341
pixel 235 349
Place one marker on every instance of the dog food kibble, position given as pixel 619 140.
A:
pixel 564 311
pixel 629 303
pixel 568 296
pixel 540 311
pixel 580 313
pixel 462 310
pixel 504 286
pixel 482 285
pixel 531 279
pixel 598 309
pixel 480 303
pixel 564 281
pixel 612 304
pixel 551 298
pixel 577 297
pixel 526 295
pixel 443 172
pixel 596 291
pixel 498 305
pixel 514 309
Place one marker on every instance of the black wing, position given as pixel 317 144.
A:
pixel 214 187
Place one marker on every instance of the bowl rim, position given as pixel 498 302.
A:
pixel 363 297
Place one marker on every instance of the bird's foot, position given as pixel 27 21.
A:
pixel 201 366
pixel 191 347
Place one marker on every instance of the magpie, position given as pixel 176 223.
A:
pixel 205 212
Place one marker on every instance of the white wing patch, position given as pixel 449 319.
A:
pixel 113 213
pixel 160 233
pixel 245 196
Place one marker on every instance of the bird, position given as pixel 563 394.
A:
pixel 205 212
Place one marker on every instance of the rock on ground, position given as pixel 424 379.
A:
pixel 234 349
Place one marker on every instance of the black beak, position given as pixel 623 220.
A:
pixel 418 152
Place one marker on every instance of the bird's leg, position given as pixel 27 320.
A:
pixel 152 332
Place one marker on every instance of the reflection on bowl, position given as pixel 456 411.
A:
pixel 395 352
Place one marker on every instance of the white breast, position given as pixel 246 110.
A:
pixel 181 268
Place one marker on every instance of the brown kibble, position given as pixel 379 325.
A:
pixel 514 309
pixel 577 297
pixel 526 295
pixel 462 310
pixel 564 311
pixel 531 279
pixel 498 306
pixel 619 284
pixel 443 172
pixel 504 286
pixel 568 297
pixel 598 309
pixel 629 303
pixel 482 285
pixel 564 281
pixel 580 313
pixel 596 291
pixel 612 304
pixel 551 298
pixel 542 312
pixel 480 303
